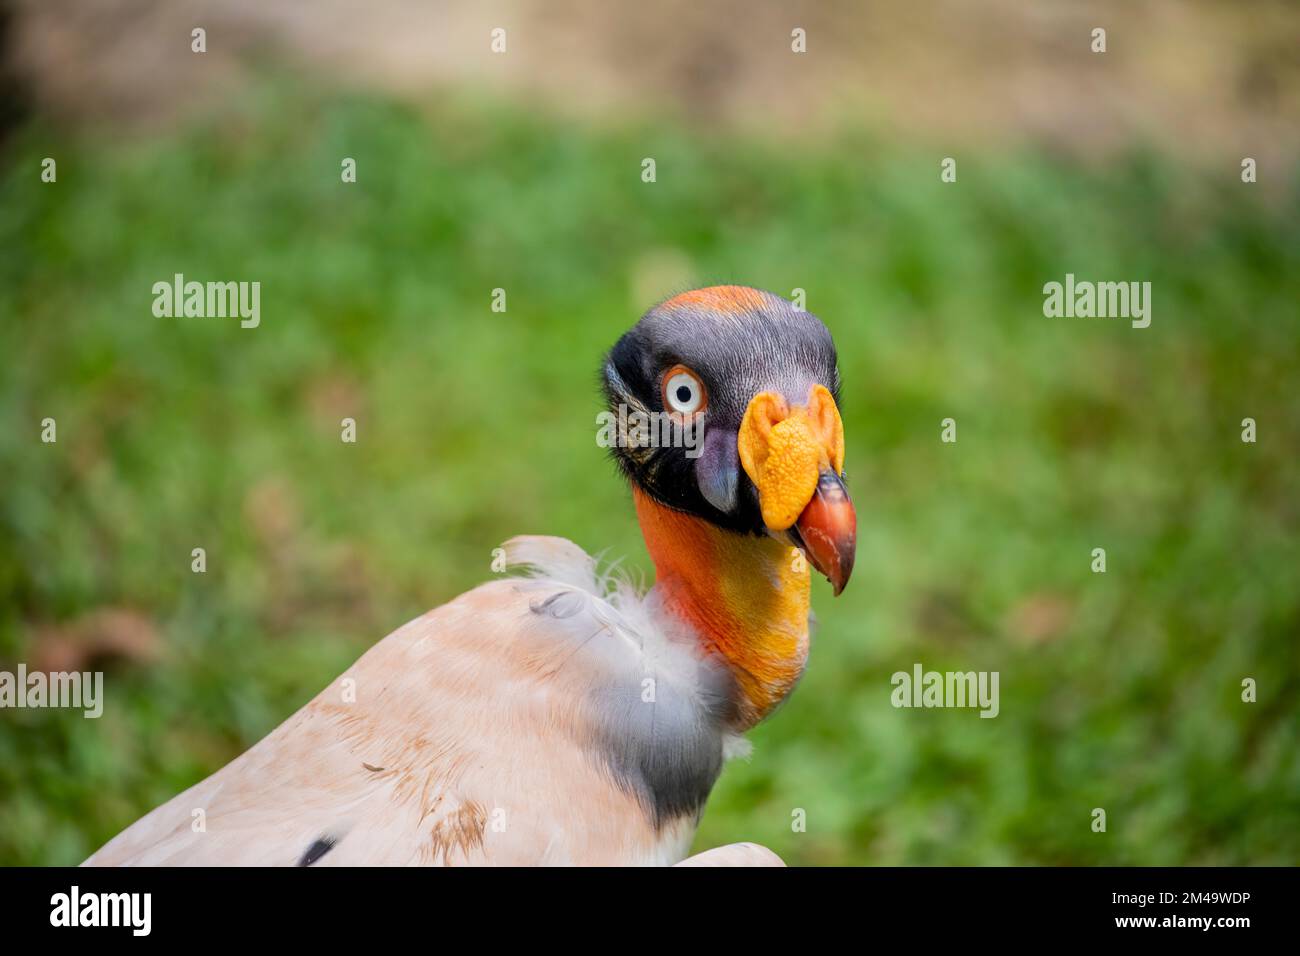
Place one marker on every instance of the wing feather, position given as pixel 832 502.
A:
pixel 466 736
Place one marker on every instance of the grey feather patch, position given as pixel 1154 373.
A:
pixel 667 751
pixel 560 605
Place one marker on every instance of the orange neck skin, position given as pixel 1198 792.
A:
pixel 747 599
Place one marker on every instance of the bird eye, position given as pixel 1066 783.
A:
pixel 683 391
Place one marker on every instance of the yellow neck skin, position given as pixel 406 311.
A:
pixel 746 597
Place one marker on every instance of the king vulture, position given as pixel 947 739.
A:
pixel 558 716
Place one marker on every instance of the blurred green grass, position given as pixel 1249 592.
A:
pixel 1118 691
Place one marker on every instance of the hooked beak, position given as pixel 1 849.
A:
pixel 795 458
pixel 827 530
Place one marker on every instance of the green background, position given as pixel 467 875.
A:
pixel 1119 690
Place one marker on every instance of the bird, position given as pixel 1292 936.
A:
pixel 558 714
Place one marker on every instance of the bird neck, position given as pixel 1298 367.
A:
pixel 746 598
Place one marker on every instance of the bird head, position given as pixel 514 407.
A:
pixel 739 390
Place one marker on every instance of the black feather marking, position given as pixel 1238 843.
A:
pixel 317 850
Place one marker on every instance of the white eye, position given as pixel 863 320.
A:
pixel 683 392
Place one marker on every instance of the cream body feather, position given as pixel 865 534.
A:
pixel 553 719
